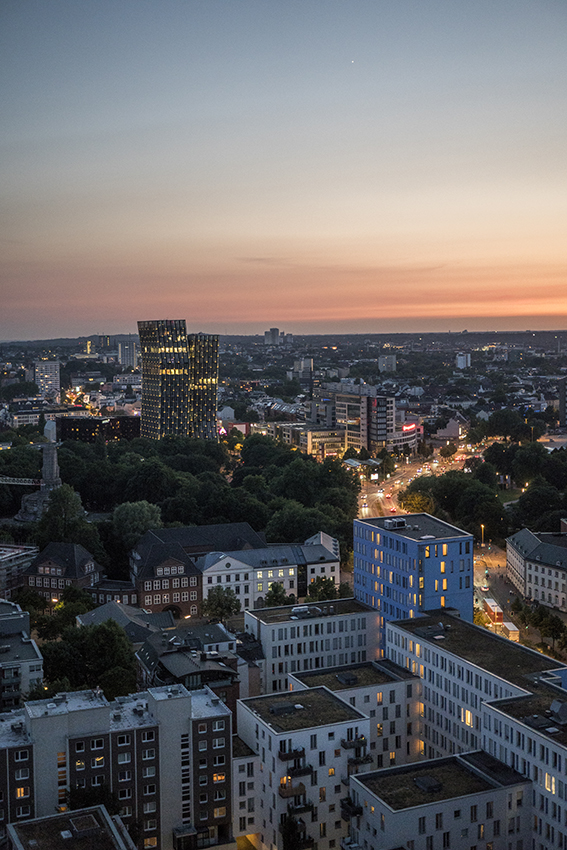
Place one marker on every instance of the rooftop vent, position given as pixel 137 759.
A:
pixel 428 784
pixel 280 708
pixel 347 678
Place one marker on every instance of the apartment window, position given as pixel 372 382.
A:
pixel 97 761
pixel 125 794
pixel 21 755
pixel 218 743
pixel 218 726
pixel 202 746
pixel 148 736
pixel 124 775
pixel 23 811
pixel 220 812
pixel 150 825
pixel 21 774
pixel 80 747
pixel 97 780
pixel 148 754
pixel 148 772
pixel 150 842
pixel 22 791
pixel 123 740
pixel 219 761
pixel 421 826
pixel 79 764
pixel 125 812
pixel 219 777
pixel 124 758
pixel 97 744
pixel 202 728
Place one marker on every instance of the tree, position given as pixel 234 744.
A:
pixel 291 834
pixel 321 589
pixel 417 503
pixel 345 590
pixel 132 519
pixel 276 596
pixel 448 451
pixel 220 604
pixel 64 522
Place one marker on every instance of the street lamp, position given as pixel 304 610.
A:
pixel 482 535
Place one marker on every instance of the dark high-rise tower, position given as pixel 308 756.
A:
pixel 179 380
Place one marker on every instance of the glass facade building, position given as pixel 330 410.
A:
pixel 179 380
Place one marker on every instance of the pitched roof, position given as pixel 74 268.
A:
pixel 72 557
pixel 197 540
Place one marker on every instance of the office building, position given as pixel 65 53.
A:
pixel 86 429
pixel 273 337
pixel 408 564
pixel 179 381
pixel 164 753
pixel 366 419
pixel 463 360
pixel 47 378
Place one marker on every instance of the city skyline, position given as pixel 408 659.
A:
pixel 326 167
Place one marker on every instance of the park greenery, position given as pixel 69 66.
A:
pixel 142 484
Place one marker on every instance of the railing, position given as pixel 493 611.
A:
pixel 303 770
pixel 300 808
pixel 349 844
pixel 359 741
pixel 288 755
pixel 349 809
pixel 289 790
pixel 366 759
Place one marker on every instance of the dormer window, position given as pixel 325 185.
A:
pixel 159 571
pixel 166 571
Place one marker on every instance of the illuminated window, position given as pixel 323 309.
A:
pixel 22 791
pixel 219 777
pixel 79 764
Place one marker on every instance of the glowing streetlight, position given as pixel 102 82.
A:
pixel 482 535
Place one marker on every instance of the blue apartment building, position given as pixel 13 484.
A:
pixel 407 564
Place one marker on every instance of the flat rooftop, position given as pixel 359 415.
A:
pixel 495 654
pixel 83 829
pixel 240 748
pixel 417 527
pixel 319 707
pixel 15 648
pixel 438 780
pixel 368 674
pixel 544 710
pixel 336 607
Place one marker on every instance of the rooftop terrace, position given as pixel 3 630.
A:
pixel 319 707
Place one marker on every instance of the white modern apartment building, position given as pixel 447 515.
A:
pixel 309 743
pixel 316 636
pixel 245 776
pixel 455 803
pixel 389 694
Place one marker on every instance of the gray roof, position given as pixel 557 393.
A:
pixel 198 540
pixel 137 625
pixel 418 526
pixel 72 557
pixel 549 548
pixel 273 556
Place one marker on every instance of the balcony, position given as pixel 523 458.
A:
pixel 290 755
pixel 304 842
pixel 289 790
pixel 348 844
pixel 349 809
pixel 359 741
pixel 366 759
pixel 300 808
pixel 302 770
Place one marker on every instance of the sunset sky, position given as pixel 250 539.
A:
pixel 317 165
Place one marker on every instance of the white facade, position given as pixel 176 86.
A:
pixel 388 694
pixel 309 745
pixel 47 378
pixel 312 637
pixel 457 803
